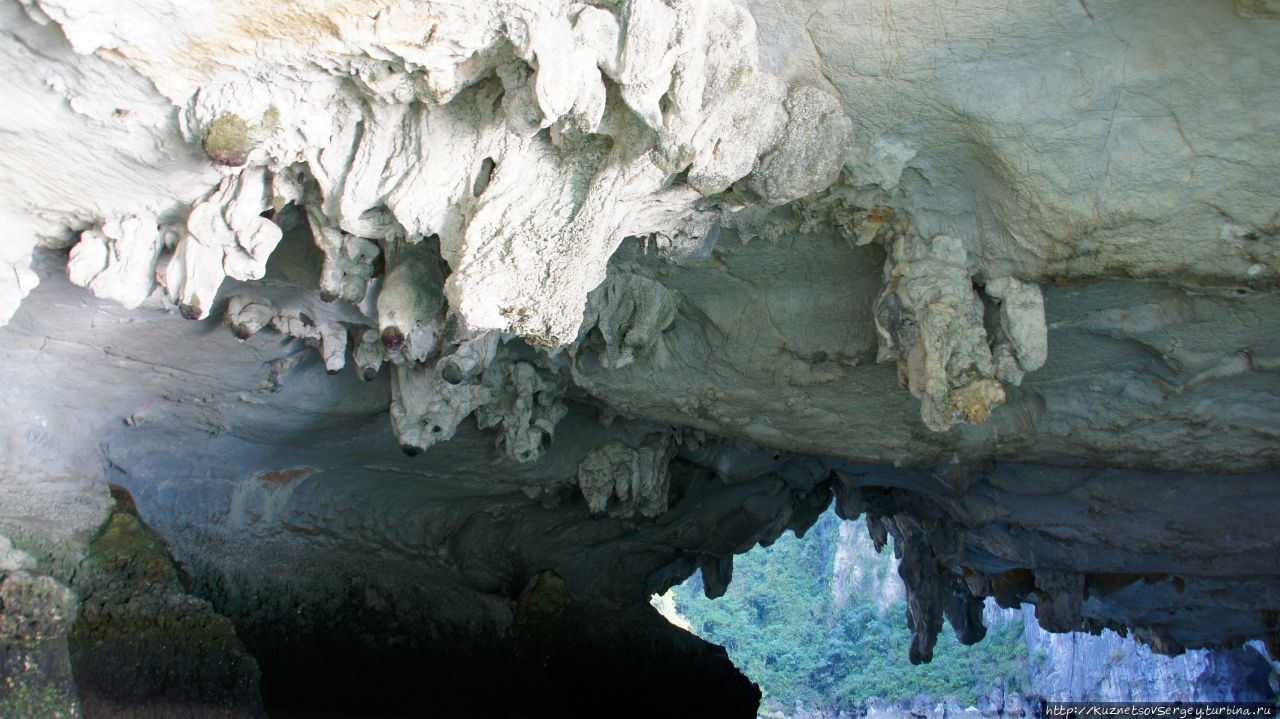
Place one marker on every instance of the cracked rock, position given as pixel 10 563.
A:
pixel 627 480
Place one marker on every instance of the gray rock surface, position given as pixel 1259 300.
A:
pixel 1111 668
pixel 620 275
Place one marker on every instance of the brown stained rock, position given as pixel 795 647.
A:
pixel 1010 587
pixel 285 476
pixel 975 400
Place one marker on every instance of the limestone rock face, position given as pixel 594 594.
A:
pixel 644 283
pixel 1108 668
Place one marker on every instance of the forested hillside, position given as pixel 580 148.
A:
pixel 819 620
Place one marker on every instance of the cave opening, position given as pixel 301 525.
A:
pixel 816 619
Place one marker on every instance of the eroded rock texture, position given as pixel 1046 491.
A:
pixel 506 314
pixel 142 645
pixel 38 612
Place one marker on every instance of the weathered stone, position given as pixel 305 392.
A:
pixel 1077 285
pixel 36 614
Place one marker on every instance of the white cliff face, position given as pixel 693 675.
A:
pixel 1111 668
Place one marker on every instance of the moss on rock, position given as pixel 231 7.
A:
pixel 228 141
pixel 142 643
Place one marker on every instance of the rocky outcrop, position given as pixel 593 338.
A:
pixel 36 614
pixel 859 570
pixel 1111 668
pixel 930 320
pixel 142 646
pixel 996 705
pixel 553 133
pixel 993 540
pixel 113 632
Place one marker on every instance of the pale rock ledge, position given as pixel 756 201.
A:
pixel 520 143
pixel 527 140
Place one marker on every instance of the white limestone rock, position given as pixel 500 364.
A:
pixel 626 480
pixel 929 320
pixel 1066 136
pixel 526 404
pixel 320 325
pixel 16 277
pixel 117 261
pixel 689 240
pixel 490 126
pixel 193 276
pixel 246 316
pixel 1024 346
pixel 295 322
pixel 368 354
pixel 85 144
pixel 426 410
pixel 802 160
pixel 411 306
pixel 419 142
pixel 630 312
pixel 333 346
pixel 722 110
pixel 226 237
pixel 348 261
pixel 469 358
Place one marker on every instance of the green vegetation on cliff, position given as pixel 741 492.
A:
pixel 811 619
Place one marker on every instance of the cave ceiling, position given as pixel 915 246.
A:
pixel 434 298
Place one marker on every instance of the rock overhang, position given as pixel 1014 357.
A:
pixel 593 258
